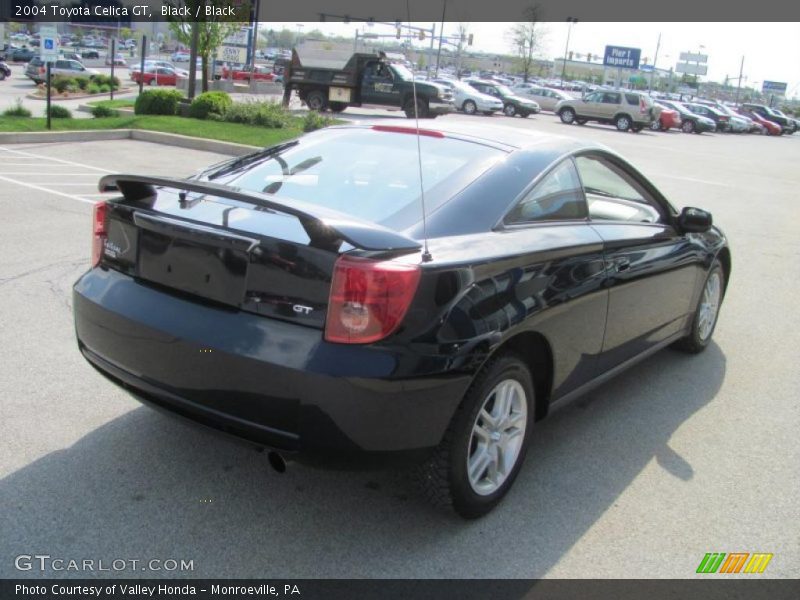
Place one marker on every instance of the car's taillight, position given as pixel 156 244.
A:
pixel 369 299
pixel 98 231
pixel 642 105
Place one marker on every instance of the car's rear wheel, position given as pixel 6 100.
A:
pixel 655 125
pixel 706 313
pixel 484 447
pixel 567 115
pixel 509 110
pixel 687 127
pixel 623 122
pixel 315 100
pixel 152 81
pixel 470 107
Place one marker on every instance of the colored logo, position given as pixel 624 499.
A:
pixel 734 562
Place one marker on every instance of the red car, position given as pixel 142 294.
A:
pixel 771 127
pixel 667 119
pixel 260 73
pixel 156 76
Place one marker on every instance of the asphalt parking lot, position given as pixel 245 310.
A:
pixel 683 456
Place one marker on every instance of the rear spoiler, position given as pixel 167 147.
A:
pixel 321 224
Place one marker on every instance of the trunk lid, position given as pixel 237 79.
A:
pixel 241 249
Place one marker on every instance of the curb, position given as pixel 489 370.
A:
pixel 157 137
pixel 57 97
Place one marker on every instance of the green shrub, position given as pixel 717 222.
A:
pixel 92 88
pixel 59 112
pixel 62 83
pixel 105 88
pixel 17 111
pixel 106 80
pixel 157 102
pixel 100 111
pixel 262 114
pixel 313 121
pixel 210 103
pixel 82 82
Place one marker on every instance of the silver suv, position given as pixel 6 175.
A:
pixel 625 109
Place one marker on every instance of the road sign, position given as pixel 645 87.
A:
pixel 773 87
pixel 48 46
pixel 691 68
pixel 694 57
pixel 619 56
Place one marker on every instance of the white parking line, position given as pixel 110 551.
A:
pixel 50 158
pixel 44 189
pixel 38 174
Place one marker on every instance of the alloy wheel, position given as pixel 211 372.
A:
pixel 709 305
pixel 497 436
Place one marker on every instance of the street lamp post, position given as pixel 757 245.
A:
pixel 571 21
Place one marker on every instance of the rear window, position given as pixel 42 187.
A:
pixel 372 175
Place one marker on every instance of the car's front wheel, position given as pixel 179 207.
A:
pixel 706 313
pixel 470 107
pixel 567 115
pixel 687 127
pixel 509 110
pixel 484 447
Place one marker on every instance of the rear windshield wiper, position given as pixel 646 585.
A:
pixel 248 159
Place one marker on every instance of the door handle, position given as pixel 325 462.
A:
pixel 622 264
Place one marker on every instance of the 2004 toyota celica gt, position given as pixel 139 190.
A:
pixel 288 297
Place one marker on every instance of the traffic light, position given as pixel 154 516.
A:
pixel 469 40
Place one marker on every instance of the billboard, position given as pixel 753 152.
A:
pixel 773 87
pixel 620 56
pixel 695 58
pixel 691 68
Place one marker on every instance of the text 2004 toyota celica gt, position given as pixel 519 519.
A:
pixel 289 297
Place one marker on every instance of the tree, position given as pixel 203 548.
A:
pixel 526 39
pixel 211 33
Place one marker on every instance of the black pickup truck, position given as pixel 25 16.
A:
pixel 365 79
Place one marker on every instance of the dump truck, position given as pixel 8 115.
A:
pixel 364 79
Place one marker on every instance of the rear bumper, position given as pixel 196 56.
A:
pixel 276 384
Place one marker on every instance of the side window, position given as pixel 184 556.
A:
pixel 62 64
pixel 596 97
pixel 632 99
pixel 614 195
pixel 611 98
pixel 556 197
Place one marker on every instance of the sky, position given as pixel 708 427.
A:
pixel 771 51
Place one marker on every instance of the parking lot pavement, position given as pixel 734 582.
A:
pixel 683 456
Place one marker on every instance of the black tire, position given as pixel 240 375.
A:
pixel 315 100
pixel 152 81
pixel 2 75
pixel 688 127
pixel 443 478
pixel 469 107
pixel 337 107
pixel 510 110
pixel 567 115
pixel 623 122
pixel 695 342
pixel 656 125
pixel 422 108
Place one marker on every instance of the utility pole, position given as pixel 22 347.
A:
pixel 441 33
pixel 570 20
pixel 739 83
pixel 193 59
pixel 655 60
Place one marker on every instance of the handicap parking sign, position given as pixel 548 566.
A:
pixel 48 44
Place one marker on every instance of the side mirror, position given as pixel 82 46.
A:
pixel 694 220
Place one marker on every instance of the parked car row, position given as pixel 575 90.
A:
pixel 473 96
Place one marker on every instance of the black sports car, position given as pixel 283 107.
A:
pixel 289 297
